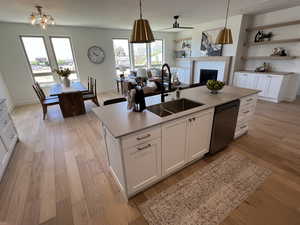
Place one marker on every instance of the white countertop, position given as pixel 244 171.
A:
pixel 120 121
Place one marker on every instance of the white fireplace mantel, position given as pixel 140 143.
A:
pixel 220 63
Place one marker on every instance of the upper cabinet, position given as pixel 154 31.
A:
pixel 273 87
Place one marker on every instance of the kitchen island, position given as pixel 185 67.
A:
pixel 144 148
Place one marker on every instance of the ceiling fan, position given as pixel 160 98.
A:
pixel 176 26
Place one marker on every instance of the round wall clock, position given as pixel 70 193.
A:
pixel 96 54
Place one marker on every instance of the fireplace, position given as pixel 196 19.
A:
pixel 206 75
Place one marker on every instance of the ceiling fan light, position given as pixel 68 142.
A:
pixel 141 32
pixel 224 37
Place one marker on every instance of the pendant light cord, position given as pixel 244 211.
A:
pixel 141 16
pixel 227 12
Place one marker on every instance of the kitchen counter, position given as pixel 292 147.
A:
pixel 267 73
pixel 120 121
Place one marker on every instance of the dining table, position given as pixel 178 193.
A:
pixel 71 100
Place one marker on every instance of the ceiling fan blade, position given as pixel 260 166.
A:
pixel 186 27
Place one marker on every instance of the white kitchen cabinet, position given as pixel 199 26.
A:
pixel 273 88
pixel 198 134
pixel 173 145
pixel 3 158
pixel 8 137
pixel 142 165
pixel 185 140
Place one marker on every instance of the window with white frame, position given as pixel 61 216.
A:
pixel 156 53
pixel 63 54
pixel 122 56
pixel 38 59
pixel 138 55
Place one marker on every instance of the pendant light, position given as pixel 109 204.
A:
pixel 225 35
pixel 141 32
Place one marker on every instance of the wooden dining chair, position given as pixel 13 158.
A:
pixel 71 103
pixel 114 101
pixel 92 93
pixel 38 86
pixel 45 102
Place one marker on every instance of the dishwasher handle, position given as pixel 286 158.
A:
pixel 235 103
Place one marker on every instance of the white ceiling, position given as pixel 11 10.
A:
pixel 121 13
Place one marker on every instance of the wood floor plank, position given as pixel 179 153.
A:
pixel 59 173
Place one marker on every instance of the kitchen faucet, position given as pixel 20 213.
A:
pixel 163 94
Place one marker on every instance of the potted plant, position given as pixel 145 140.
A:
pixel 214 86
pixel 64 75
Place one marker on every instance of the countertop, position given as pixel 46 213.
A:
pixel 120 121
pixel 267 73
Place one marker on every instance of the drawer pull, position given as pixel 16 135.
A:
pixel 143 137
pixel 242 127
pixel 145 147
pixel 249 100
pixel 246 112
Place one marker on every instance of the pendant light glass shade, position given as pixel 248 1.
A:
pixel 225 36
pixel 141 31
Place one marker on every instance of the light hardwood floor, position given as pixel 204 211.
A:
pixel 58 174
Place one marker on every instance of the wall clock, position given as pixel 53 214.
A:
pixel 96 54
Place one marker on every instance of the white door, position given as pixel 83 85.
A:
pixel 142 165
pixel 173 146
pixel 275 86
pixel 198 134
pixel 263 83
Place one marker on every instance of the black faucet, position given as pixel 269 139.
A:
pixel 163 91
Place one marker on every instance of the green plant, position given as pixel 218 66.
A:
pixel 63 72
pixel 215 85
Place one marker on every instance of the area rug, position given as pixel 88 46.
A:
pixel 207 196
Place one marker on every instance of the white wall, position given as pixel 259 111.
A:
pixel 288 32
pixel 16 71
pixel 235 23
pixel 5 94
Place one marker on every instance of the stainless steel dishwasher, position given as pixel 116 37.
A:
pixel 225 119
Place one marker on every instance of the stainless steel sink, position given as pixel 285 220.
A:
pixel 171 107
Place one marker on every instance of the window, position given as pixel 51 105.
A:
pixel 37 58
pixel 122 56
pixel 131 56
pixel 156 53
pixel 64 55
pixel 140 55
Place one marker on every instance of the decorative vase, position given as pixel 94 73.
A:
pixel 214 92
pixel 66 82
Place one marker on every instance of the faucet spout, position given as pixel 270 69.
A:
pixel 163 90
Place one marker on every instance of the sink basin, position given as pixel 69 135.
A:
pixel 171 107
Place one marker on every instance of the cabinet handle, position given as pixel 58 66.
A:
pixel 143 137
pixel 242 127
pixel 246 112
pixel 249 100
pixel 144 147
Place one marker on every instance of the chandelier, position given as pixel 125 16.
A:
pixel 40 18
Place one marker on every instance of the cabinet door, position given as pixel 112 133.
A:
pixel 275 86
pixel 173 146
pixel 142 165
pixel 242 80
pixel 199 134
pixel 252 81
pixel 3 158
pixel 263 83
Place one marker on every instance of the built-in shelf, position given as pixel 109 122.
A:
pixel 273 42
pixel 275 25
pixel 267 73
pixel 269 57
pixel 182 49
pixel 183 39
